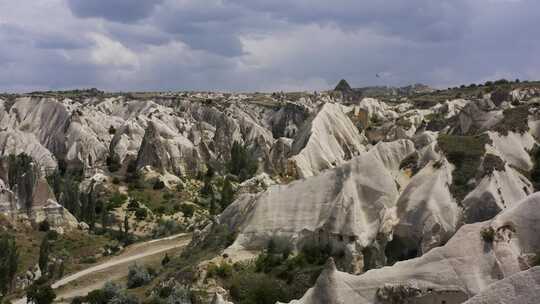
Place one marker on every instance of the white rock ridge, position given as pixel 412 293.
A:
pixel 346 206
pixel 326 141
pixel 464 267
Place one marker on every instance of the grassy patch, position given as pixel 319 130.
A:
pixel 466 153
pixel 534 175
pixel 488 234
pixel 492 163
pixel 514 120
pixel 78 247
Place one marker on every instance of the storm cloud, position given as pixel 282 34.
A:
pixel 259 45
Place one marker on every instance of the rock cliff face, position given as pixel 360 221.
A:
pixel 24 191
pixel 522 287
pixel 404 200
pixel 461 269
pixel 328 139
pixel 346 207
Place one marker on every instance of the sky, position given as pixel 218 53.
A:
pixel 264 45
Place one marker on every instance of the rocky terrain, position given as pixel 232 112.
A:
pixel 370 195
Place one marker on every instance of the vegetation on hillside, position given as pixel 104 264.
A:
pixel 514 120
pixel 465 153
pixel 9 263
pixel 242 163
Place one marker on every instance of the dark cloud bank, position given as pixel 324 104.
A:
pixel 248 45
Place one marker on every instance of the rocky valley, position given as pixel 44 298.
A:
pixel 372 195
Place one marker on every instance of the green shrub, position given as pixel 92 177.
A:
pixel 187 209
pixel 166 228
pixel 165 260
pixel 255 288
pixel 488 234
pixel 141 213
pixel 138 276
pixel 514 120
pixel 44 226
pixel 40 293
pixel 223 270
pixel 535 172
pixel 110 293
pixel 492 163
pixel 116 200
pixel 133 205
pixel 158 185
pixel 113 162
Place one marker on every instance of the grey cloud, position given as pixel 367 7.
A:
pixel 125 11
pixel 264 45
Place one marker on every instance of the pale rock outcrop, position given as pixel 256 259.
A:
pixel 218 299
pixel 513 148
pixel 451 107
pixel 17 142
pixel 327 140
pixel 287 120
pixel 473 119
pixel 279 153
pixel 495 192
pixel 377 109
pixel 464 267
pixel 346 207
pixel 167 151
pixel 127 140
pixel 524 94
pixel 428 214
pixel 520 288
pixel 255 184
pixel 424 138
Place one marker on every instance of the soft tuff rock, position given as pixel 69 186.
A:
pixel 464 267
pixel 328 139
pixel 348 205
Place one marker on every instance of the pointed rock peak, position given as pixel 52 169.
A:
pixel 343 86
pixel 330 265
pixel 327 289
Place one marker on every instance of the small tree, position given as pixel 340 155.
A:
pixel 44 249
pixel 242 163
pixel 227 194
pixel 40 293
pixel 113 162
pixel 165 260
pixel 126 227
pixel 9 261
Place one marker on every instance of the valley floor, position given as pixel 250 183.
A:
pixel 116 268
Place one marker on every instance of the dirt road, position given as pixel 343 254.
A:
pixel 84 281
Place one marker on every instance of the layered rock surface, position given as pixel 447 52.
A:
pixel 466 266
pixel 347 206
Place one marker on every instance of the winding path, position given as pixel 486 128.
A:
pixel 113 269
